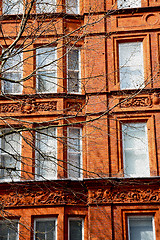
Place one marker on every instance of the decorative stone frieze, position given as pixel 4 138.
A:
pixel 27 198
pixel 28 106
pixel 136 102
pixel 101 196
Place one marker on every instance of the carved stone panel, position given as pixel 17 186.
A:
pixel 28 106
pixel 135 102
pixel 34 198
pixel 102 196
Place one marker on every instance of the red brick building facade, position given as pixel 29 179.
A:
pixel 79 112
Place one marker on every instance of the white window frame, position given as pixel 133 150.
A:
pixel 121 4
pixel 45 219
pixel 141 217
pixel 73 70
pixel 50 177
pixel 12 220
pixel 45 10
pixel 70 10
pixel 54 49
pixel 75 219
pixel 14 12
pixel 123 142
pixel 80 152
pixel 136 84
pixel 13 70
pixel 4 178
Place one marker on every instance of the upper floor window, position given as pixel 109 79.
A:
pixel 135 150
pixel 46 150
pixel 45 6
pixel 46 80
pixel 131 67
pixel 73 71
pixel 12 7
pixel 9 230
pixel 45 228
pixel 128 3
pixel 13 73
pixel 74 156
pixel 10 161
pixel 72 6
pixel 141 228
pixel 76 229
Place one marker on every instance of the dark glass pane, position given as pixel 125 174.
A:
pixel 75 227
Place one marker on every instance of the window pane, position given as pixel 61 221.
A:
pixel 74 165
pixel 73 81
pixel 72 6
pixel 74 153
pixel 128 3
pixel 73 60
pixel 9 231
pixel 75 229
pixel 135 150
pixel 13 70
pixel 131 65
pixel 141 228
pixel 45 230
pixel 45 6
pixel 47 70
pixel 46 81
pixel 12 7
pixel 10 156
pixel 46 148
pixel 73 66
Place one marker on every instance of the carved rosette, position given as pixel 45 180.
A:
pixel 28 106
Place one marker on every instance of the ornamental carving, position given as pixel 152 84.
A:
pixel 127 196
pixel 28 106
pixel 40 198
pixel 74 106
pixel 46 106
pixel 136 102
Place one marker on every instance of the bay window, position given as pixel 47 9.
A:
pixel 135 150
pixel 45 228
pixel 73 71
pixel 141 228
pixel 74 155
pixel 13 70
pixel 46 151
pixel 46 80
pixel 131 67
pixel 10 152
